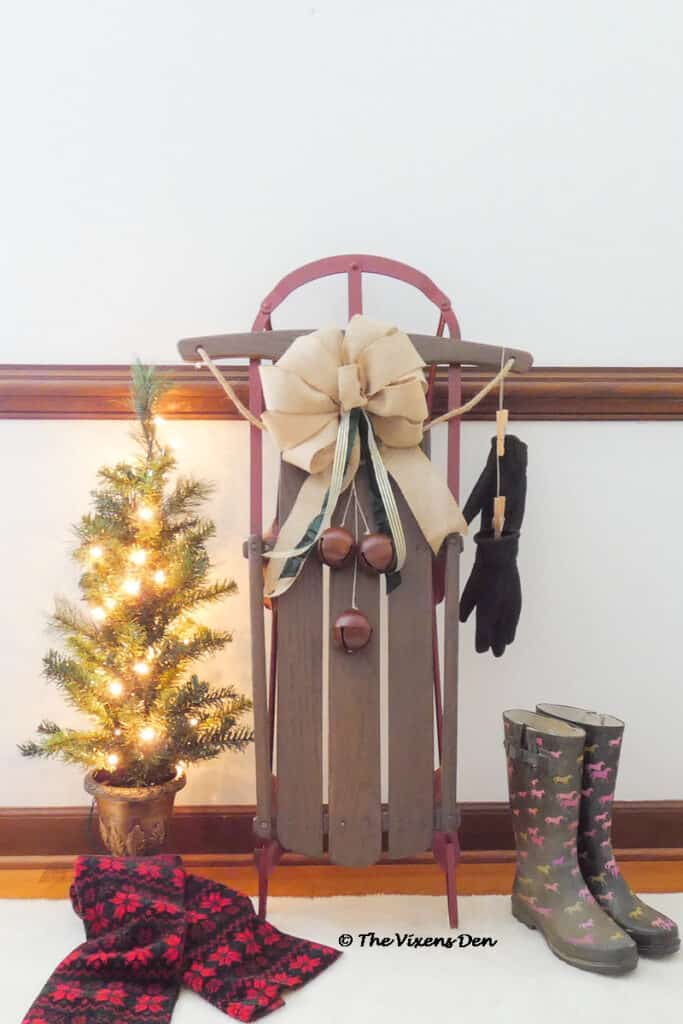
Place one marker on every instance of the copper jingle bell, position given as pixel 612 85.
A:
pixel 352 631
pixel 336 547
pixel 376 553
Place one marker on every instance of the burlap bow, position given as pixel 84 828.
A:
pixel 317 393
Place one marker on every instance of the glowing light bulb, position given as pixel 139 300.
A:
pixel 146 513
pixel 160 576
pixel 117 732
pixel 131 586
pixel 179 770
pixel 113 760
pixel 138 557
pixel 194 721
pixel 115 688
pixel 109 603
pixel 141 668
pixel 147 734
pixel 98 613
pixel 96 552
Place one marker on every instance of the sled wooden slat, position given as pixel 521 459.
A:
pixel 299 697
pixel 411 697
pixel 355 814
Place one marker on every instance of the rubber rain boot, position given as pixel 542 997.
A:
pixel 544 763
pixel 654 933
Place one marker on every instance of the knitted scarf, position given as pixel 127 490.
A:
pixel 151 927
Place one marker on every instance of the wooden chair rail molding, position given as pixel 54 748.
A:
pixel 56 392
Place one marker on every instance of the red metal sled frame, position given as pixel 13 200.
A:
pixel 445 839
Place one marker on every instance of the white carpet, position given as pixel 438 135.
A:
pixel 517 980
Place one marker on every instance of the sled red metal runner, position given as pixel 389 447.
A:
pixel 421 811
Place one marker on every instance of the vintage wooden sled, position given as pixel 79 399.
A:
pixel 304 714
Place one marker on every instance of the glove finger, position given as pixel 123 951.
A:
pixel 498 645
pixel 515 459
pixel 482 639
pixel 468 599
pixel 512 614
pixel 475 502
pixel 503 631
pixel 509 630
pixel 498 631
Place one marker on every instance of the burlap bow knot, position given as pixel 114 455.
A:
pixel 315 397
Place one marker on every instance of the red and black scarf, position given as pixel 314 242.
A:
pixel 150 928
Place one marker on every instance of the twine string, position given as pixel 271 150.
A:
pixel 449 415
pixel 501 391
pixel 229 390
pixel 475 400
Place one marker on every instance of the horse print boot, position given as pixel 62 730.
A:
pixel 654 933
pixel 544 763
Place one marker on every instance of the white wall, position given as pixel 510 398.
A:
pixel 164 163
pixel 599 563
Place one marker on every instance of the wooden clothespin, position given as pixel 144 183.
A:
pixel 498 515
pixel 501 427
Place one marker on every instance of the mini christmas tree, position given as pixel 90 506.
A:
pixel 145 574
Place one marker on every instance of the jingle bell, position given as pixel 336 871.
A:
pixel 336 546
pixel 376 553
pixel 352 631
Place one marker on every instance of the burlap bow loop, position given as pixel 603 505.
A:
pixel 371 366
pixel 321 390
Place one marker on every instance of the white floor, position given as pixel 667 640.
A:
pixel 517 980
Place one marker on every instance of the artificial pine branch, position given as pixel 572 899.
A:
pixel 148 387
pixel 187 496
pixel 145 569
pixel 71 620
pixel 69 745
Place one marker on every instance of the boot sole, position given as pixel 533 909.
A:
pixel 655 952
pixel 622 966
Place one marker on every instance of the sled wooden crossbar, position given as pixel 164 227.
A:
pixel 434 350
pixel 288 694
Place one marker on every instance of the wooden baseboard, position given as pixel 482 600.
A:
pixel 38 846
pixel 210 830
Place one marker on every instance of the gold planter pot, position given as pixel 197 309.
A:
pixel 134 821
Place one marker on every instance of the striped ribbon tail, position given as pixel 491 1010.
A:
pixel 386 510
pixel 295 558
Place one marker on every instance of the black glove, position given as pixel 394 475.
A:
pixel 494 587
pixel 495 591
pixel 512 485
